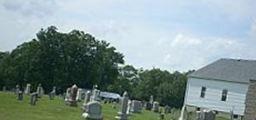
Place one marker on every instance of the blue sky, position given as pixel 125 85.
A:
pixel 169 34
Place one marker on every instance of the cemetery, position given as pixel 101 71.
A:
pixel 127 60
pixel 31 106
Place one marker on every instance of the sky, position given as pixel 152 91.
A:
pixel 168 34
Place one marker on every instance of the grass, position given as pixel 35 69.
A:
pixel 45 109
pixel 12 109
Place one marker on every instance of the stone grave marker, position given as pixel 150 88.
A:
pixel 33 98
pixel 52 93
pixel 122 114
pixel 73 92
pixel 129 107
pixel 20 96
pixel 17 89
pixel 167 109
pixel 67 95
pixel 40 90
pixel 79 94
pixel 93 111
pixel 206 115
pixel 155 107
pixel 27 89
pixel 136 106
pixel 4 88
pixel 86 99
pixel 95 94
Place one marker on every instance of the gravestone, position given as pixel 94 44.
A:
pixel 4 88
pixel 136 106
pixel 167 109
pixel 79 94
pixel 68 94
pixel 161 116
pixel 149 104
pixel 20 96
pixel 151 100
pixel 52 93
pixel 27 89
pixel 73 92
pixel 129 107
pixel 206 115
pixel 122 114
pixel 86 99
pixel 93 111
pixel 17 89
pixel 33 98
pixel 40 91
pixel 95 94
pixel 155 107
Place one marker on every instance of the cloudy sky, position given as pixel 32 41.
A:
pixel 169 34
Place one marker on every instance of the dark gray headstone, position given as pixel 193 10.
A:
pixel 33 98
pixel 20 95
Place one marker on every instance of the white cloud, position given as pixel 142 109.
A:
pixel 195 52
pixel 149 33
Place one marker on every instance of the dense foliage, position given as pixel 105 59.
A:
pixel 62 59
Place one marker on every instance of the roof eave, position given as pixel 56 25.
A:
pixel 198 77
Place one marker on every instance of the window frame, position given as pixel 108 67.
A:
pixel 224 95
pixel 203 92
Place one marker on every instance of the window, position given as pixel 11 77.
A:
pixel 203 90
pixel 224 95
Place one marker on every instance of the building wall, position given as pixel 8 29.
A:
pixel 212 100
pixel 250 109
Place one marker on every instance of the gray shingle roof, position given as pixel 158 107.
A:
pixel 228 70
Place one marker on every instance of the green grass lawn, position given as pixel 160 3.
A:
pixel 12 109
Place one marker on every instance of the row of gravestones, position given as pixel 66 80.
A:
pixel 35 95
pixel 92 107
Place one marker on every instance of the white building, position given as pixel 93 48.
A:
pixel 220 86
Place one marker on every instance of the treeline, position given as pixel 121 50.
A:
pixel 62 59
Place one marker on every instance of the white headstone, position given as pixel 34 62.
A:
pixel 136 106
pixel 122 114
pixel 27 90
pixel 155 107
pixel 93 111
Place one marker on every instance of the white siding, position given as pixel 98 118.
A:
pixel 212 100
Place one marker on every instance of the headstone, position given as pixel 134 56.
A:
pixel 136 106
pixel 33 98
pixel 95 94
pixel 149 105
pixel 129 107
pixel 73 92
pixel 86 99
pixel 20 96
pixel 205 115
pixel 79 94
pixel 151 100
pixel 52 93
pixel 93 111
pixel 17 89
pixel 161 116
pixel 27 90
pixel 155 107
pixel 68 95
pixel 167 109
pixel 122 114
pixel 4 88
pixel 40 90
